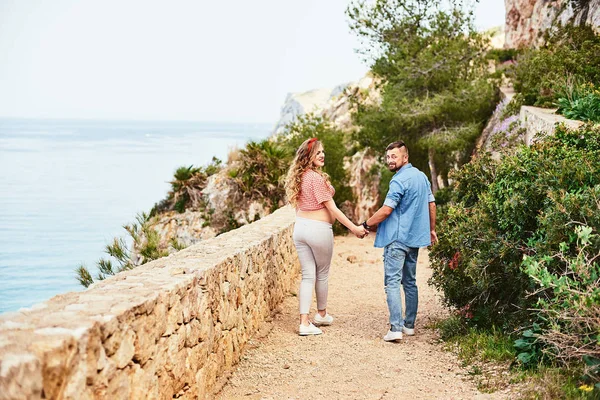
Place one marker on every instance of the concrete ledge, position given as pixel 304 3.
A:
pixel 542 120
pixel 168 328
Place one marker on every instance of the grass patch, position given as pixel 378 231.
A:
pixel 552 383
pixel 474 344
pixel 489 358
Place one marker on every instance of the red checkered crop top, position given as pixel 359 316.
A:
pixel 314 191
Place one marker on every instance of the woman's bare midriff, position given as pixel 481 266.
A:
pixel 318 215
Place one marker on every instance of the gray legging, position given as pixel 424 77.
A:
pixel 314 244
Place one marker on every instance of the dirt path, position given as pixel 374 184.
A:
pixel 350 360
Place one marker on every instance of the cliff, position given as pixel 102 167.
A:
pixel 528 20
pixel 332 104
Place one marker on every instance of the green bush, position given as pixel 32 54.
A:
pixel 502 55
pixel 570 304
pixel 146 241
pixel 186 188
pixel 572 50
pixel 260 171
pixel 579 101
pixel 513 107
pixel 504 210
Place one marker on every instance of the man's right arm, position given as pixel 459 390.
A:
pixel 379 216
pixel 432 214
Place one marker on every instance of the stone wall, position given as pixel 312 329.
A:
pixel 166 329
pixel 533 121
pixel 542 120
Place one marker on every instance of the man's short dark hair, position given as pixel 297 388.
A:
pixel 396 145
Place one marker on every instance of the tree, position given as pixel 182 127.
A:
pixel 436 88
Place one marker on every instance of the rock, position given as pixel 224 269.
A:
pixel 527 20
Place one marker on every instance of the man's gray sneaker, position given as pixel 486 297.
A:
pixel 408 331
pixel 392 336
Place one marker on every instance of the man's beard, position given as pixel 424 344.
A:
pixel 394 168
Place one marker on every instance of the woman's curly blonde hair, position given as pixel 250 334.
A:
pixel 303 161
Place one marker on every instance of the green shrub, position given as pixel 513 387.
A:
pixel 503 210
pixel 145 239
pixel 513 107
pixel 186 188
pixel 572 50
pixel 579 101
pixel 260 171
pixel 502 55
pixel 570 304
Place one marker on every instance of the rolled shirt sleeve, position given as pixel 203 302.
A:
pixel 394 194
pixel 431 198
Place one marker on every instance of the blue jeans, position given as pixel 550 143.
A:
pixel 400 267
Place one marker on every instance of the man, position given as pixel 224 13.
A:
pixel 406 222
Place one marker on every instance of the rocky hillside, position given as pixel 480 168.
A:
pixel 527 20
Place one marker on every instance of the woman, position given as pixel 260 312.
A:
pixel 309 190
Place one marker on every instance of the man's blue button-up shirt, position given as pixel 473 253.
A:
pixel 409 195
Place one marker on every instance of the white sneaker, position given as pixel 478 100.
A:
pixel 309 330
pixel 325 321
pixel 392 336
pixel 408 331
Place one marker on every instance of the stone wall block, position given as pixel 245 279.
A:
pixel 59 355
pixel 143 383
pixel 146 336
pixel 227 349
pixel 197 356
pixel 217 335
pixel 192 333
pixel 165 384
pixel 160 317
pixel 108 325
pixel 174 318
pixel 119 387
pixel 20 376
pixel 206 326
pixel 107 374
pixel 124 354
pixel 185 305
pixel 202 384
pixel 194 298
pixel 182 376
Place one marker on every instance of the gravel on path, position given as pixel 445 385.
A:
pixel 350 360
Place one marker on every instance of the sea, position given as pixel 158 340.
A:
pixel 67 187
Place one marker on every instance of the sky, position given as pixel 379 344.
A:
pixel 193 60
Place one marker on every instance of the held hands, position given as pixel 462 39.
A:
pixel 360 231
